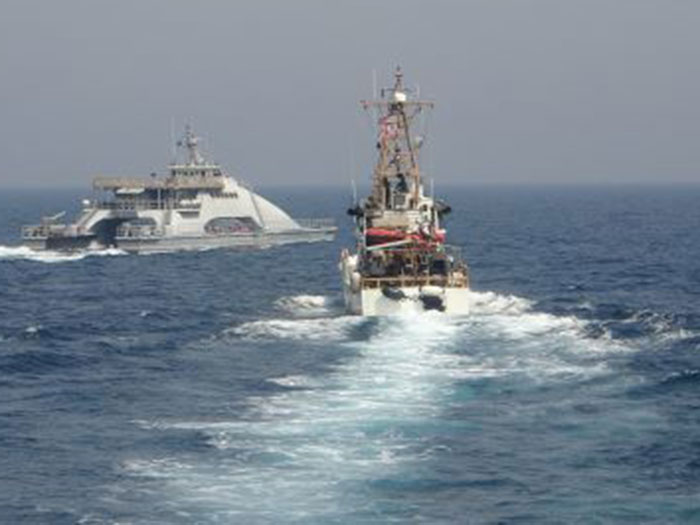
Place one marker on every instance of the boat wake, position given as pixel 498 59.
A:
pixel 310 305
pixel 27 254
pixel 334 329
pixel 312 446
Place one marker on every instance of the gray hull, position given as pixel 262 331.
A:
pixel 248 240
pixel 184 243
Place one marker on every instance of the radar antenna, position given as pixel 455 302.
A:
pixel 191 142
pixel 397 166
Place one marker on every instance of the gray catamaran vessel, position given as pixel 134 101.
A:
pixel 196 206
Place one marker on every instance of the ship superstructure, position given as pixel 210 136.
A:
pixel 195 206
pixel 401 263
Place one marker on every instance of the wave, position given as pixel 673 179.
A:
pixel 690 377
pixel 647 327
pixel 493 315
pixel 293 447
pixel 503 336
pixel 294 381
pixel 310 305
pixel 317 329
pixel 47 256
pixel 490 303
pixel 33 330
pixel 664 327
pixel 309 446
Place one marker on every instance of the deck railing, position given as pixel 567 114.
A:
pixel 44 231
pixel 316 223
pixel 456 274
pixel 144 205
pixel 456 280
pixel 169 183
pixel 139 231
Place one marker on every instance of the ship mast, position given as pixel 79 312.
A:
pixel 397 168
pixel 191 142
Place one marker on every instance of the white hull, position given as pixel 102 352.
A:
pixel 373 302
pixel 360 300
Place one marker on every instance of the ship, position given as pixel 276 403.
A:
pixel 401 262
pixel 196 205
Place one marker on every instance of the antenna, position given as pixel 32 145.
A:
pixel 173 142
pixel 208 147
pixel 374 84
pixel 353 168
pixel 375 112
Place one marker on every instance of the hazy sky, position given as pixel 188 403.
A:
pixel 526 90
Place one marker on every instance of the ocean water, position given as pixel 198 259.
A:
pixel 229 387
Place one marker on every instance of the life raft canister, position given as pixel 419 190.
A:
pixel 380 236
pixel 375 236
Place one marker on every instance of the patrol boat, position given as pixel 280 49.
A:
pixel 401 263
pixel 195 206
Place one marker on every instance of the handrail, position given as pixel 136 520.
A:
pixel 169 183
pixel 316 223
pixel 457 281
pixel 130 231
pixel 146 205
pixel 43 231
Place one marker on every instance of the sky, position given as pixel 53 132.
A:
pixel 526 91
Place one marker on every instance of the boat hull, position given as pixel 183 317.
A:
pixel 407 300
pixel 251 240
pixel 371 297
pixel 63 244
pixel 184 243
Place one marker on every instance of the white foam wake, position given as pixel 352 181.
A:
pixel 294 450
pixel 333 329
pixel 47 256
pixel 501 318
pixel 307 448
pixel 309 305
pixel 490 303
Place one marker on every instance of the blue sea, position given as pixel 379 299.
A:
pixel 229 387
